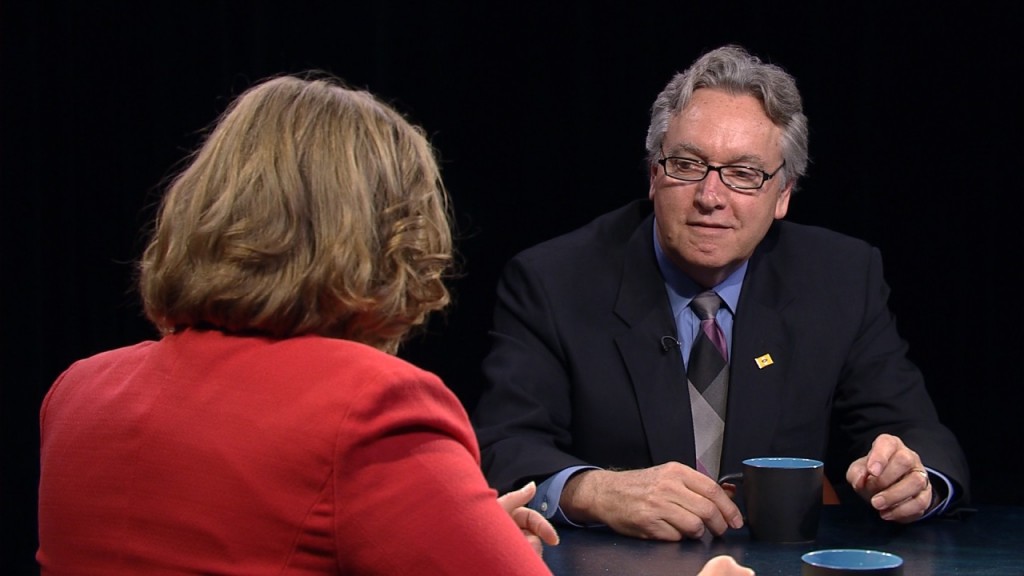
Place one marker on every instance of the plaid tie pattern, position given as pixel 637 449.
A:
pixel 707 373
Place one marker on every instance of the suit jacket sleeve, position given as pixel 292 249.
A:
pixel 817 302
pixel 881 391
pixel 576 374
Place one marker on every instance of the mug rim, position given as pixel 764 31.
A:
pixel 881 559
pixel 783 462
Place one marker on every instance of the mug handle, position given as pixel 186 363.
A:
pixel 731 478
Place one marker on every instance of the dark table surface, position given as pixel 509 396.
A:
pixel 989 541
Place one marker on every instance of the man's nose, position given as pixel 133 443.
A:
pixel 711 191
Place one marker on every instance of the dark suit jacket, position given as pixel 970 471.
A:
pixel 577 373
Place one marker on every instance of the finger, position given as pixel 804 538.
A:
pixel 881 452
pixel 730 513
pixel 910 509
pixel 533 522
pixel 730 489
pixel 724 566
pixel 908 486
pixel 907 499
pixel 711 504
pixel 517 498
pixel 900 463
pixel 534 543
pixel 857 474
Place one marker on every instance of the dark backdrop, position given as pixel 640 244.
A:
pixel 539 111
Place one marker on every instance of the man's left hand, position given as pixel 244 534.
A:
pixel 892 478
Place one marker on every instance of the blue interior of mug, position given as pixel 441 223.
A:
pixel 852 559
pixel 774 462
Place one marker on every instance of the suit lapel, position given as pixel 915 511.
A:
pixel 755 382
pixel 658 377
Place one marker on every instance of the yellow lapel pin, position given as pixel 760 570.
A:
pixel 763 361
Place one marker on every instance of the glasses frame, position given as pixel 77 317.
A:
pixel 709 168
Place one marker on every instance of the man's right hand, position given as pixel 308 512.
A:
pixel 670 501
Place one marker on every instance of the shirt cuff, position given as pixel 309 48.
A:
pixel 549 494
pixel 938 480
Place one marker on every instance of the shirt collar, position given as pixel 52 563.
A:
pixel 682 288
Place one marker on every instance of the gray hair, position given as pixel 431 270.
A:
pixel 732 69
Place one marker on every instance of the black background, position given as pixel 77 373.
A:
pixel 539 111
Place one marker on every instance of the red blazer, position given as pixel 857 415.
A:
pixel 207 453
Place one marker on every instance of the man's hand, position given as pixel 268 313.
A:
pixel 892 478
pixel 666 502
pixel 537 530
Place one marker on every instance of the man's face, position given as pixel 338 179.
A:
pixel 706 228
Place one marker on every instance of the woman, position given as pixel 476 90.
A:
pixel 271 429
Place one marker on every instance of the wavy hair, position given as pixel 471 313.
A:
pixel 310 208
pixel 734 70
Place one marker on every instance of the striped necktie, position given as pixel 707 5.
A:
pixel 707 373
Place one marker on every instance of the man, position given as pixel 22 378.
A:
pixel 588 383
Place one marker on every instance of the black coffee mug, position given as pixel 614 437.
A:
pixel 782 497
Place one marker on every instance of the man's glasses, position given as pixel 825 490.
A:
pixel 741 178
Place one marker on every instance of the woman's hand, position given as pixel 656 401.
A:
pixel 537 530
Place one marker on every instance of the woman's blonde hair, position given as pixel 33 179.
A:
pixel 310 208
